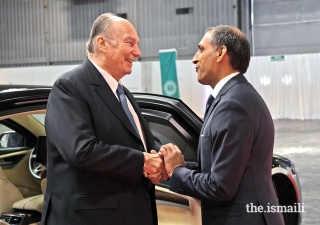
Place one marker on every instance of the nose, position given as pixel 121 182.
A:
pixel 136 52
pixel 195 58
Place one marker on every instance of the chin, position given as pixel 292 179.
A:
pixel 201 81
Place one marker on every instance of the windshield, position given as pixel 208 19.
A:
pixel 39 117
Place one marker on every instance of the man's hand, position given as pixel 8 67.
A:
pixel 172 157
pixel 164 175
pixel 153 168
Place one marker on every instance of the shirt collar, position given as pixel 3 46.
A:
pixel 221 83
pixel 113 83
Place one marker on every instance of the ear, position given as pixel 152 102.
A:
pixel 221 53
pixel 102 43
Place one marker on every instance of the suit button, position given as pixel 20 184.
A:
pixel 141 148
pixel 148 199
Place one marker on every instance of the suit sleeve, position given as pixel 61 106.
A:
pixel 225 144
pixel 69 127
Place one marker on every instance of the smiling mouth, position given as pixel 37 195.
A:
pixel 130 61
pixel 197 68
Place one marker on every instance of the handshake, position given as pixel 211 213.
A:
pixel 160 165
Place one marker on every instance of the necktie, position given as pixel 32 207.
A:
pixel 208 104
pixel 123 101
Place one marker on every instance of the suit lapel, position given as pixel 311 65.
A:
pixel 210 110
pixel 233 81
pixel 143 121
pixel 104 91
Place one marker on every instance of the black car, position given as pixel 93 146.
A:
pixel 23 156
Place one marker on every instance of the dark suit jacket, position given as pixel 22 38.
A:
pixel 95 160
pixel 235 158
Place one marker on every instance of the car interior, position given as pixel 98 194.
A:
pixel 21 190
pixel 22 169
pixel 25 210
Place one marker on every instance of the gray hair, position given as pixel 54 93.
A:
pixel 102 26
pixel 238 47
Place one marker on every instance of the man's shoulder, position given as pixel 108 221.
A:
pixel 76 76
pixel 73 73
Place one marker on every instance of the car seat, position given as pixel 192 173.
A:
pixel 35 203
pixel 9 194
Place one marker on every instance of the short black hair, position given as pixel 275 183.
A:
pixel 238 47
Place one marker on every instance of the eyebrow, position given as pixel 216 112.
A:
pixel 131 39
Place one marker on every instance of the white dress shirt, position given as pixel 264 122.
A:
pixel 113 83
pixel 221 83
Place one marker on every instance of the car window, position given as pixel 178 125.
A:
pixel 10 138
pixel 20 132
pixel 166 132
pixel 40 117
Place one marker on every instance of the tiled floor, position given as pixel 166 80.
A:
pixel 299 140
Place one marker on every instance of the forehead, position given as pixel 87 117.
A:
pixel 127 31
pixel 205 41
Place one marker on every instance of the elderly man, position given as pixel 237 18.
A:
pixel 100 169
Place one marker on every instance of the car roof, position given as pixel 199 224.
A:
pixel 21 86
pixel 18 96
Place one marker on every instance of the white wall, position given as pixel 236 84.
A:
pixel 291 88
pixel 44 75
